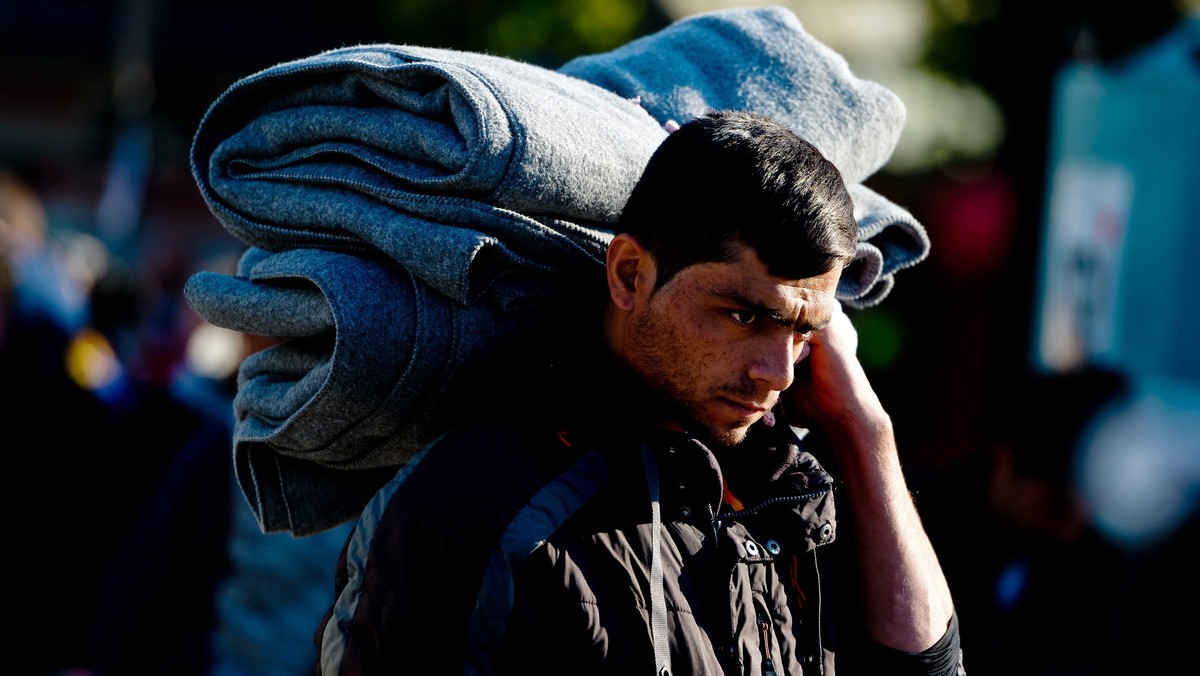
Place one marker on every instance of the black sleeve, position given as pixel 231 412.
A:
pixel 944 658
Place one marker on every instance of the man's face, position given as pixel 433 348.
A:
pixel 719 341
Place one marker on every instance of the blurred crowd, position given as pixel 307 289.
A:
pixel 142 554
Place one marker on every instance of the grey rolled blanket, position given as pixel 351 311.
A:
pixel 407 208
pixel 325 416
pixel 763 60
pixel 464 168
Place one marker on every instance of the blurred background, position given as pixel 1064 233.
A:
pixel 1041 365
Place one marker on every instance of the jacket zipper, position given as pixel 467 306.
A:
pixel 768 664
pixel 804 497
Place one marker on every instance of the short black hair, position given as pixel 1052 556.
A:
pixel 731 179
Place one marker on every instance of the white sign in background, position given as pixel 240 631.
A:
pixel 1088 218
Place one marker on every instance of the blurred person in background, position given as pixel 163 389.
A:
pixel 148 561
pixel 57 441
pixel 74 355
pixel 156 612
pixel 196 587
pixel 1050 577
pixel 1044 588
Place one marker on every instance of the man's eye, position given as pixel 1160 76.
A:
pixel 743 316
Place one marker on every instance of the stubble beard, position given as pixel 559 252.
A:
pixel 653 357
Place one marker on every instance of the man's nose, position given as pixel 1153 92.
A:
pixel 772 363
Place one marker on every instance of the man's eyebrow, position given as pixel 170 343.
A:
pixel 816 326
pixel 754 306
pixel 774 314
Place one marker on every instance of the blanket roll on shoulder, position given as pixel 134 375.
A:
pixel 366 357
pixel 762 59
pixel 890 239
pixel 457 165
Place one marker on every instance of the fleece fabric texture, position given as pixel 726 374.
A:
pixel 405 208
pixel 763 60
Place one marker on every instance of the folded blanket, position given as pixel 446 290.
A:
pixel 408 208
pixel 763 60
pixel 890 239
pixel 371 352
pixel 467 167
pixel 462 167
pixel 760 60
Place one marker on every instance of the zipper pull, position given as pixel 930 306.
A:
pixel 768 663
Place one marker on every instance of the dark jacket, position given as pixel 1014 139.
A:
pixel 528 546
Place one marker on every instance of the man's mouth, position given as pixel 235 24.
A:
pixel 745 409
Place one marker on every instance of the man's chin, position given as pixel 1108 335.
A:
pixel 726 437
pixel 714 431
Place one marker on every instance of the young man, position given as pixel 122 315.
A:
pixel 648 492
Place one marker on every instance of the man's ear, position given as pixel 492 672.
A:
pixel 630 269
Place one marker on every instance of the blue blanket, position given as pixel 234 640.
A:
pixel 405 208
